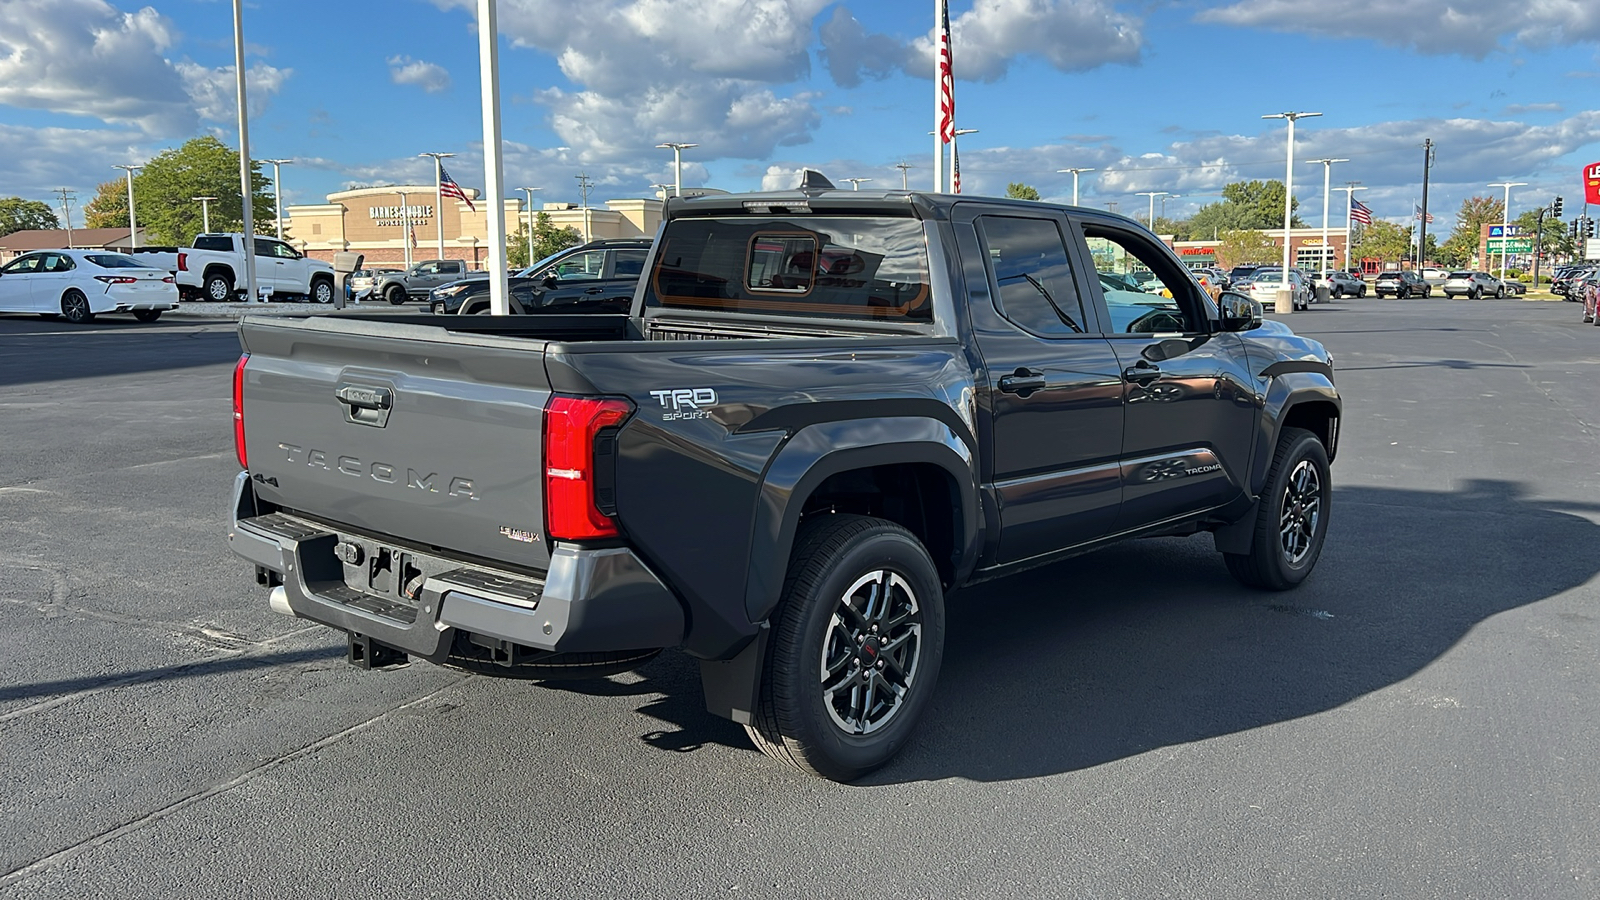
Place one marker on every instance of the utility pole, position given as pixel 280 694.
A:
pixel 1422 221
pixel 133 224
pixel 66 211
pixel 583 189
pixel 903 166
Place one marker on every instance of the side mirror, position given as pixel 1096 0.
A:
pixel 1239 313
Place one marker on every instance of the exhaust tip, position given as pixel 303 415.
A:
pixel 278 599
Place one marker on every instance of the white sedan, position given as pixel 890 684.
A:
pixel 77 285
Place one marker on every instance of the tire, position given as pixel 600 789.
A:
pixel 75 307
pixel 321 291
pixel 1361 294
pixel 826 632
pixel 1336 293
pixel 1475 294
pixel 1500 292
pixel 1298 490
pixel 218 288
pixel 147 315
pixel 395 295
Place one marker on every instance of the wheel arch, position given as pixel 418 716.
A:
pixel 217 268
pixel 1296 399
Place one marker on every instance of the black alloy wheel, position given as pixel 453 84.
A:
pixel 75 307
pixel 395 295
pixel 147 315
pixel 1291 517
pixel 219 288
pixel 854 650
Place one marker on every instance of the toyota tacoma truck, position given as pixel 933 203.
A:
pixel 824 411
pixel 417 281
pixel 213 269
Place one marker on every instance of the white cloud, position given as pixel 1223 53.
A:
pixel 431 77
pixel 87 58
pixel 35 161
pixel 1070 35
pixel 1471 28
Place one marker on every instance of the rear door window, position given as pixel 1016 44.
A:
pixel 221 243
pixel 865 267
pixel 1032 277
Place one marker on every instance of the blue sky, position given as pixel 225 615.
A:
pixel 1163 96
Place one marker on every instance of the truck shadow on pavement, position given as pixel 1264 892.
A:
pixel 52 352
pixel 1152 644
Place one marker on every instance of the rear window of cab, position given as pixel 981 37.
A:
pixel 811 266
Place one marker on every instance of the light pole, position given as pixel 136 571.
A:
pixel 1350 188
pixel 405 236
pixel 1505 221
pixel 246 185
pixel 1164 203
pixel 529 191
pixel 205 215
pixel 66 211
pixel 855 183
pixel 277 192
pixel 1288 193
pixel 438 193
pixel 583 191
pixel 133 224
pixel 1327 175
pixel 1151 221
pixel 1074 181
pixel 903 166
pixel 677 148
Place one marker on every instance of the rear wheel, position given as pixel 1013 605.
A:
pixel 1475 294
pixel 147 315
pixel 1500 293
pixel 75 307
pixel 1291 517
pixel 218 288
pixel 855 648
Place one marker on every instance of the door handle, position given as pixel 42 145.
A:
pixel 1141 373
pixel 1022 381
pixel 595 290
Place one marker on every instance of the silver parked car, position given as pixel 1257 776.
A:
pixel 1473 285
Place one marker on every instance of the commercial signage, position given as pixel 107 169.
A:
pixel 1196 251
pixel 1512 245
pixel 396 215
pixel 1504 230
pixel 1591 183
pixel 1591 248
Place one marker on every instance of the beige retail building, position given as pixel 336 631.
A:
pixel 374 222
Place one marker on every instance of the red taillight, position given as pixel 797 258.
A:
pixel 183 262
pixel 572 426
pixel 168 280
pixel 115 279
pixel 238 412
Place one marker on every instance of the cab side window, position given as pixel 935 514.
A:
pixel 55 262
pixel 1145 292
pixel 1032 275
pixel 24 266
pixel 581 266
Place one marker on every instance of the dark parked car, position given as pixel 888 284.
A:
pixel 595 277
pixel 825 411
pixel 1402 285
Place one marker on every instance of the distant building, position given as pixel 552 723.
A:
pixel 17 243
pixel 372 221
pixel 1305 247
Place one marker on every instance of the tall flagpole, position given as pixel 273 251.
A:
pixel 938 95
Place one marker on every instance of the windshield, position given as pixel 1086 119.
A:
pixel 114 261
pixel 1460 274
pixel 841 268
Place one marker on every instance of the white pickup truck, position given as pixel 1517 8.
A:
pixel 213 269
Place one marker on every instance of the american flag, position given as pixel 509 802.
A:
pixel 1359 212
pixel 947 84
pixel 449 188
pixel 1416 212
pixel 955 169
pixel 411 233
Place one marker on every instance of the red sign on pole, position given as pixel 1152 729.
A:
pixel 1591 183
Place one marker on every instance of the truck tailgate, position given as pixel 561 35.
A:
pixel 405 431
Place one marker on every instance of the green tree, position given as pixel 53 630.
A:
pixel 1382 240
pixel 109 208
pixel 547 240
pixel 202 167
pixel 1016 190
pixel 1462 246
pixel 1245 206
pixel 1240 247
pixel 1556 243
pixel 17 214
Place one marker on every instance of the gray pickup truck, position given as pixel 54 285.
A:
pixel 415 283
pixel 826 410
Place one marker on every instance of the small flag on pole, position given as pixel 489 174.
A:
pixel 1359 212
pixel 411 232
pixel 1416 213
pixel 449 188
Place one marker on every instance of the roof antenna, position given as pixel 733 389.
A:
pixel 812 180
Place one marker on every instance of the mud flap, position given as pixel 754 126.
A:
pixel 733 686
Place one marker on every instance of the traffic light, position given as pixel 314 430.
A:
pixel 1572 228
pixel 1555 208
pixel 1588 227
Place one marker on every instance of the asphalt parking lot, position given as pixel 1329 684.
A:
pixel 1420 720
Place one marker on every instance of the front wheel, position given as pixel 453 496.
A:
pixel 395 295
pixel 855 648
pixel 147 315
pixel 1291 516
pixel 75 307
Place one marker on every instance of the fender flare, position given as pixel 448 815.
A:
pixel 816 452
pixel 1294 384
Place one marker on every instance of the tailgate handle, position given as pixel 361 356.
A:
pixel 366 405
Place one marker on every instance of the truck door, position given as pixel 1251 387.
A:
pixel 1050 389
pixel 1190 400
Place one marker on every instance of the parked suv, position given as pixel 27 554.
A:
pixel 1343 284
pixel 1473 285
pixel 1402 285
